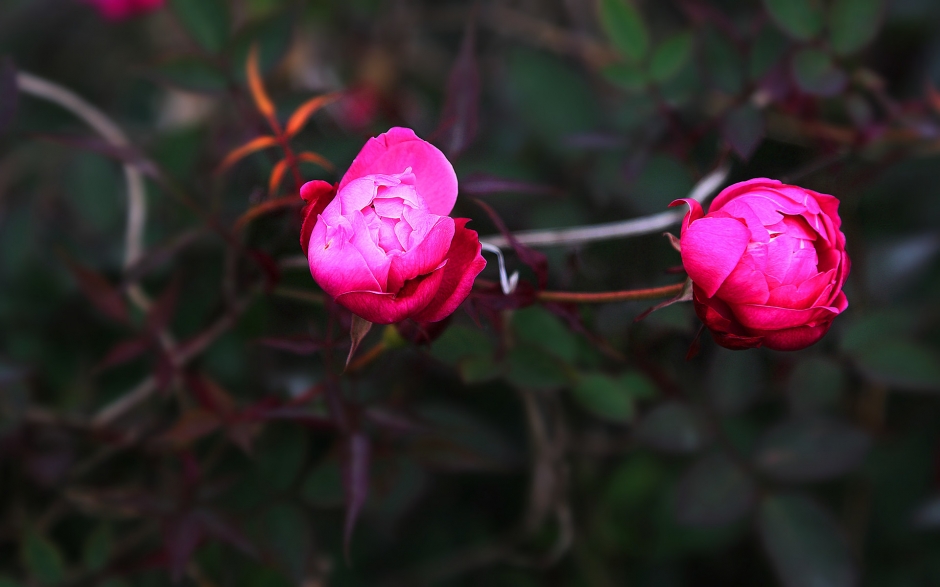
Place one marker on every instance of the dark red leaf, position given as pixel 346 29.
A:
pixel 164 370
pixel 458 126
pixel 696 345
pixel 125 351
pixel 99 291
pixel 356 463
pixel 182 535
pixel 211 395
pixel 481 184
pixel 190 427
pixel 9 94
pixel 537 261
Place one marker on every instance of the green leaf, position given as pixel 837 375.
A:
pixel 42 559
pixel 626 76
pixel 854 23
pixel 815 384
pixel 604 397
pixel 281 456
pixel 673 427
pixel 670 56
pixel 801 19
pixel 743 128
pixel 8 582
pixel 873 329
pixel 901 364
pixel 97 548
pixel 552 98
pixel 811 449
pixel 206 20
pixel 804 544
pixel 533 368
pixel 625 27
pixel 714 491
pixel 816 73
pixel 724 63
pixel 286 534
pixel 323 485
pixel 734 380
pixel 459 342
pixel 768 49
pixel 539 327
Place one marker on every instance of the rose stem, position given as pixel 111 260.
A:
pixel 610 296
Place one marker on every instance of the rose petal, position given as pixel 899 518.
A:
pixel 398 149
pixel 424 258
pixel 794 339
pixel 335 264
pixel 318 195
pixel 758 318
pixel 464 263
pixel 711 248
pixel 695 211
pixel 388 308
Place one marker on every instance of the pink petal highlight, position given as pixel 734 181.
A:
pixel 398 149
pixel 711 249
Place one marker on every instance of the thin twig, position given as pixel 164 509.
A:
pixel 625 228
pixel 187 352
pixel 610 296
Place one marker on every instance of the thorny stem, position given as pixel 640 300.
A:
pixel 610 296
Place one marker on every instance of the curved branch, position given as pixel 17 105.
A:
pixel 136 201
pixel 624 228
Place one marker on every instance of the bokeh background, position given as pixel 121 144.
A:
pixel 210 440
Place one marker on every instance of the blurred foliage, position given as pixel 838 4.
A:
pixel 209 438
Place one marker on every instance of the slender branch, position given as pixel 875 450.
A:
pixel 625 228
pixel 610 296
pixel 104 126
pixel 186 353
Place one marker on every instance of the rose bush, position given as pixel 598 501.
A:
pixel 381 242
pixel 767 264
pixel 121 9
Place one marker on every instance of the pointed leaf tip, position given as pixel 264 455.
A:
pixel 357 332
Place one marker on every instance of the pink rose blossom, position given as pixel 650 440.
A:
pixel 385 246
pixel 121 9
pixel 767 264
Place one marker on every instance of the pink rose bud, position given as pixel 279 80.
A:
pixel 767 264
pixel 121 9
pixel 385 247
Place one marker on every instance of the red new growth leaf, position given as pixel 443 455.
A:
pixel 303 113
pixel 277 174
pixel 317 159
pixel 248 148
pixel 258 93
pixel 266 207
